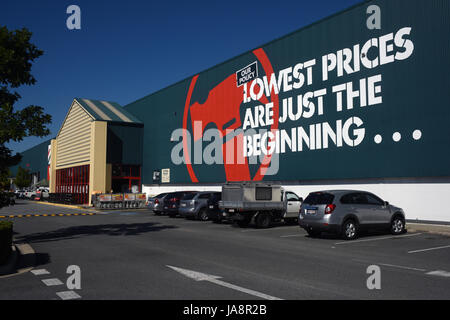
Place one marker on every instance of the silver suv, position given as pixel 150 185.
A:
pixel 347 212
pixel 195 205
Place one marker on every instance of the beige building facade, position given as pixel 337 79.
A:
pixel 79 153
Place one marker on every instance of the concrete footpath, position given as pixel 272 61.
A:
pixel 21 260
pixel 441 229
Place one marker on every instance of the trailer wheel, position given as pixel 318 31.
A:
pixel 263 220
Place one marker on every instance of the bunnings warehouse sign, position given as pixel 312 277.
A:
pixel 365 92
pixel 362 94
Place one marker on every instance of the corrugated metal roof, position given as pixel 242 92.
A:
pixel 106 111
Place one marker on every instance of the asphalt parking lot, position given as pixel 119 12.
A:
pixel 137 255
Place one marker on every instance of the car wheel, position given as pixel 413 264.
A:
pixel 203 215
pixel 349 230
pixel 263 220
pixel 397 225
pixel 157 213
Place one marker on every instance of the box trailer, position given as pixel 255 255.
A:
pixel 263 203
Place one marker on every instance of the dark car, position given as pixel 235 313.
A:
pixel 156 203
pixel 215 214
pixel 195 205
pixel 20 194
pixel 172 202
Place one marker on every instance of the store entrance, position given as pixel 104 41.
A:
pixel 126 178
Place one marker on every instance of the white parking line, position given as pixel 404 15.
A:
pixel 269 229
pixel 39 272
pixel 52 282
pixel 389 265
pixel 429 249
pixel 68 295
pixel 292 235
pixel 375 239
pixel 401 267
pixel 440 273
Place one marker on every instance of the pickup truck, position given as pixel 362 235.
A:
pixel 33 193
pixel 261 203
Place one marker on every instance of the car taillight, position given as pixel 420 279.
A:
pixel 156 201
pixel 330 208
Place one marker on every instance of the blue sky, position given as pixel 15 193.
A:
pixel 128 49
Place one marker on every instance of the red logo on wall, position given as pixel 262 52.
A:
pixel 222 108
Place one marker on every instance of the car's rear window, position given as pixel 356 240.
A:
pixel 159 196
pixel 189 196
pixel 318 198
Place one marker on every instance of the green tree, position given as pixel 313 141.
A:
pixel 23 178
pixel 16 57
pixel 5 183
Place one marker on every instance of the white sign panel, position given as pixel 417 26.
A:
pixel 165 175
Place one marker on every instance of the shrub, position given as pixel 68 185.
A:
pixel 6 232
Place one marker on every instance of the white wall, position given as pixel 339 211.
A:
pixel 154 190
pixel 419 200
pixel 422 201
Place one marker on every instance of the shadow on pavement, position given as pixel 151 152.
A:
pixel 33 260
pixel 363 234
pixel 131 229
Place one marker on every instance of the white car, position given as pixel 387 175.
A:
pixel 32 194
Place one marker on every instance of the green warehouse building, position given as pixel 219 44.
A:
pixel 339 104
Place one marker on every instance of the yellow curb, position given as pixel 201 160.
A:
pixel 66 206
pixel 59 205
pixel 48 215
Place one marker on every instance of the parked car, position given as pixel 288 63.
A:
pixel 31 194
pixel 348 212
pixel 156 203
pixel 215 214
pixel 195 205
pixel 42 193
pixel 172 202
pixel 20 194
